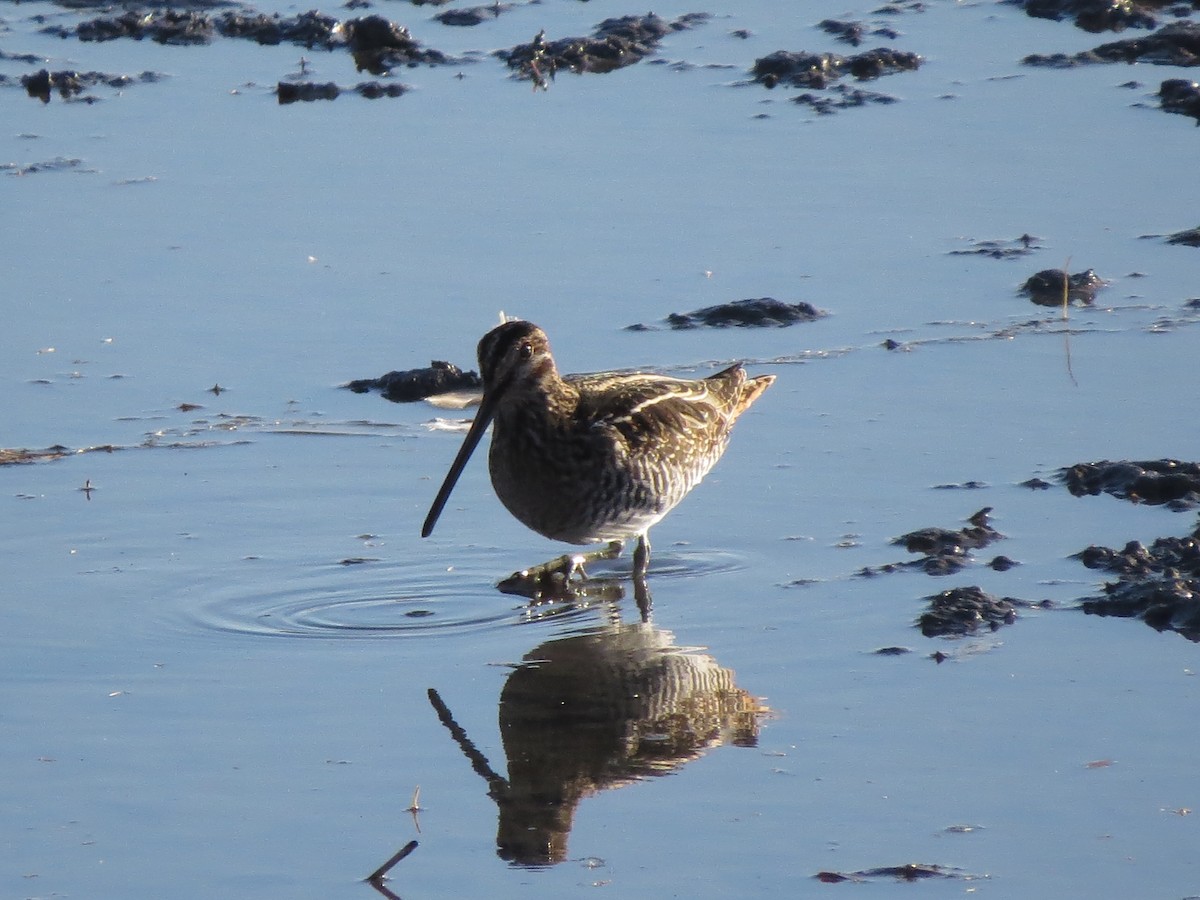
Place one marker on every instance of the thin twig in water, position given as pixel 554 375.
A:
pixel 376 877
pixel 1067 330
pixel 415 808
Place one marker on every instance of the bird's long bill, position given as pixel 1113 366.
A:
pixel 483 418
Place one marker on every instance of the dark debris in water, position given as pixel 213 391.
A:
pixel 963 611
pixel 820 70
pixel 906 872
pixel 473 15
pixel 377 44
pixel 1175 44
pixel 1098 15
pixel 70 85
pixel 307 91
pixel 57 164
pixel 417 384
pixel 1159 584
pixel 1187 238
pixel 853 32
pixel 1001 249
pixel 761 312
pixel 1046 288
pixel 945 551
pixel 841 96
pixel 1178 95
pixel 1167 482
pixel 18 455
pixel 614 44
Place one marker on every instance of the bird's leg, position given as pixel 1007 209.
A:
pixel 641 562
pixel 641 557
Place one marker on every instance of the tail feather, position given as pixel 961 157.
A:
pixel 751 391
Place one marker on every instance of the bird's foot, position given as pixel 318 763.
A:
pixel 563 578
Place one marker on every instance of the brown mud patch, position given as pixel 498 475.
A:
pixel 761 312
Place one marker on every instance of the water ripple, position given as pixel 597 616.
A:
pixel 377 600
pixel 352 602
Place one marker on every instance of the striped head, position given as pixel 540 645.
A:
pixel 514 355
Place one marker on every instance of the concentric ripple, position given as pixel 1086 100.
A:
pixel 346 602
pixel 372 599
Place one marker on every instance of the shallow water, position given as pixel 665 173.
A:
pixel 216 661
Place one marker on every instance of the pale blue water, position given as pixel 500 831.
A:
pixel 198 697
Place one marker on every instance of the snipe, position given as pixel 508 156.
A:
pixel 587 459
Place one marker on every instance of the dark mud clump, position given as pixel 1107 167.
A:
pixel 417 384
pixel 906 872
pixel 309 29
pixel 376 43
pixel 307 91
pixel 70 85
pixel 1001 249
pixel 614 44
pixel 1178 95
pixel 852 33
pixel 964 610
pixel 1154 482
pixel 1046 288
pixel 1159 584
pixel 175 27
pixel 819 70
pixel 473 15
pixel 379 45
pixel 841 96
pixel 1188 238
pixel 763 312
pixel 1176 44
pixel 17 455
pixel 946 551
pixel 1097 15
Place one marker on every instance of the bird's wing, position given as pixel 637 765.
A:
pixel 652 408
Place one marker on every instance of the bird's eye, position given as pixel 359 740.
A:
pixel 526 351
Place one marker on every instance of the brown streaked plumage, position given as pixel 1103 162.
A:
pixel 592 458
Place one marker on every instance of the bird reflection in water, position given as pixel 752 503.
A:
pixel 595 711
